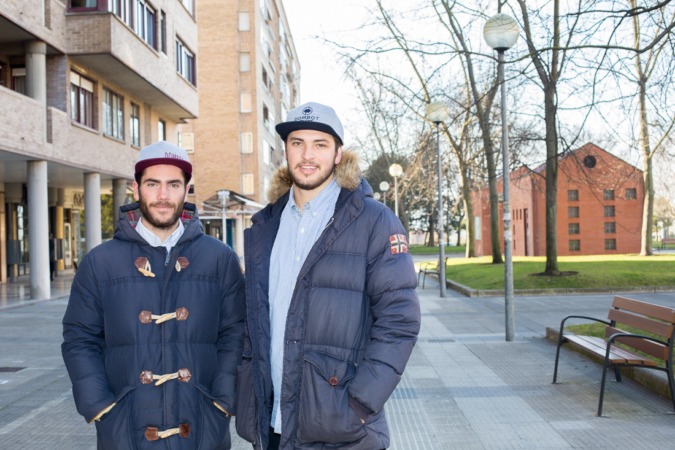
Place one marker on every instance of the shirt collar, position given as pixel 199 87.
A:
pixel 325 199
pixel 154 240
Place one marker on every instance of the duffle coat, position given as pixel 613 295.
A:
pixel 351 327
pixel 118 343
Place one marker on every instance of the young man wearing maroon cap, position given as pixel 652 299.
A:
pixel 332 313
pixel 154 325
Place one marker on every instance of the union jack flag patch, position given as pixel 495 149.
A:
pixel 398 243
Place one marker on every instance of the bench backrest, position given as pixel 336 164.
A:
pixel 653 319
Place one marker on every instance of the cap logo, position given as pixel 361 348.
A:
pixel 172 155
pixel 307 110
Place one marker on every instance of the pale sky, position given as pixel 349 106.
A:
pixel 321 75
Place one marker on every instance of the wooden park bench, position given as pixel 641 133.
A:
pixel 666 241
pixel 428 268
pixel 620 348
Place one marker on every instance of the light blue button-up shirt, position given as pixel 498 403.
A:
pixel 298 232
pixel 154 240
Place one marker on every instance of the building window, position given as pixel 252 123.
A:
pixel 113 115
pixel 247 184
pixel 139 16
pixel 161 130
pixel 189 5
pixel 187 142
pixel 246 103
pixel 162 32
pixel 572 212
pixel 575 245
pixel 631 194
pixel 122 9
pixel 572 228
pixel 185 62
pixel 267 151
pixel 244 21
pixel 244 62
pixel 81 100
pixel 610 227
pixel 144 22
pixel 83 4
pixel 573 195
pixel 610 244
pixel 609 211
pixel 608 194
pixel 247 142
pixel 135 125
pixel 19 80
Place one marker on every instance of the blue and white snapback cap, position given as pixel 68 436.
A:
pixel 312 116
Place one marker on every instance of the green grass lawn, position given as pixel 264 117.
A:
pixel 423 250
pixel 597 271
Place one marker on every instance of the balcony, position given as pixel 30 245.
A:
pixel 23 122
pixel 104 44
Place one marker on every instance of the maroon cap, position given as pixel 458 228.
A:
pixel 163 152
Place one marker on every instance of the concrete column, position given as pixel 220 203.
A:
pixel 3 237
pixel 13 194
pixel 119 197
pixel 92 210
pixel 36 71
pixel 38 229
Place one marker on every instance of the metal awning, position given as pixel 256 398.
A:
pixel 229 202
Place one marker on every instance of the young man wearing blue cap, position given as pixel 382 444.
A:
pixel 332 313
pixel 154 325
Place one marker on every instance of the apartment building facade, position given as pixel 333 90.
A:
pixel 84 84
pixel 248 80
pixel 600 202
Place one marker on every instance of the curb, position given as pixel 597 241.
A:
pixel 653 380
pixel 473 293
pixel 32 302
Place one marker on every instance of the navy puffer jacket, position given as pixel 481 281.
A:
pixel 114 349
pixel 351 327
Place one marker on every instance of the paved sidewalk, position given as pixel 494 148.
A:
pixel 464 388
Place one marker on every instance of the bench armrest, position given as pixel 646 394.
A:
pixel 594 319
pixel 613 338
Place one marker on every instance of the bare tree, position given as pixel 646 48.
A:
pixel 414 92
pixel 644 72
pixel 481 105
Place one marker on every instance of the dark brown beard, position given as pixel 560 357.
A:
pixel 162 225
pixel 308 186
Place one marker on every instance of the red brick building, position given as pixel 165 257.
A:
pixel 600 200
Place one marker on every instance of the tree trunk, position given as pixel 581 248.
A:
pixel 645 146
pixel 470 222
pixel 432 231
pixel 551 181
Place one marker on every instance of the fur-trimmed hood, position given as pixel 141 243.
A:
pixel 347 174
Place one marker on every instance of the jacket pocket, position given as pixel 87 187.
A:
pixel 245 418
pixel 324 412
pixel 113 431
pixel 214 432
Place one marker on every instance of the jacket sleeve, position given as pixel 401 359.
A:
pixel 83 344
pixel 231 333
pixel 395 312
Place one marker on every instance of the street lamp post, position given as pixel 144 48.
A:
pixel 395 170
pixel 384 187
pixel 223 196
pixel 501 32
pixel 437 113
